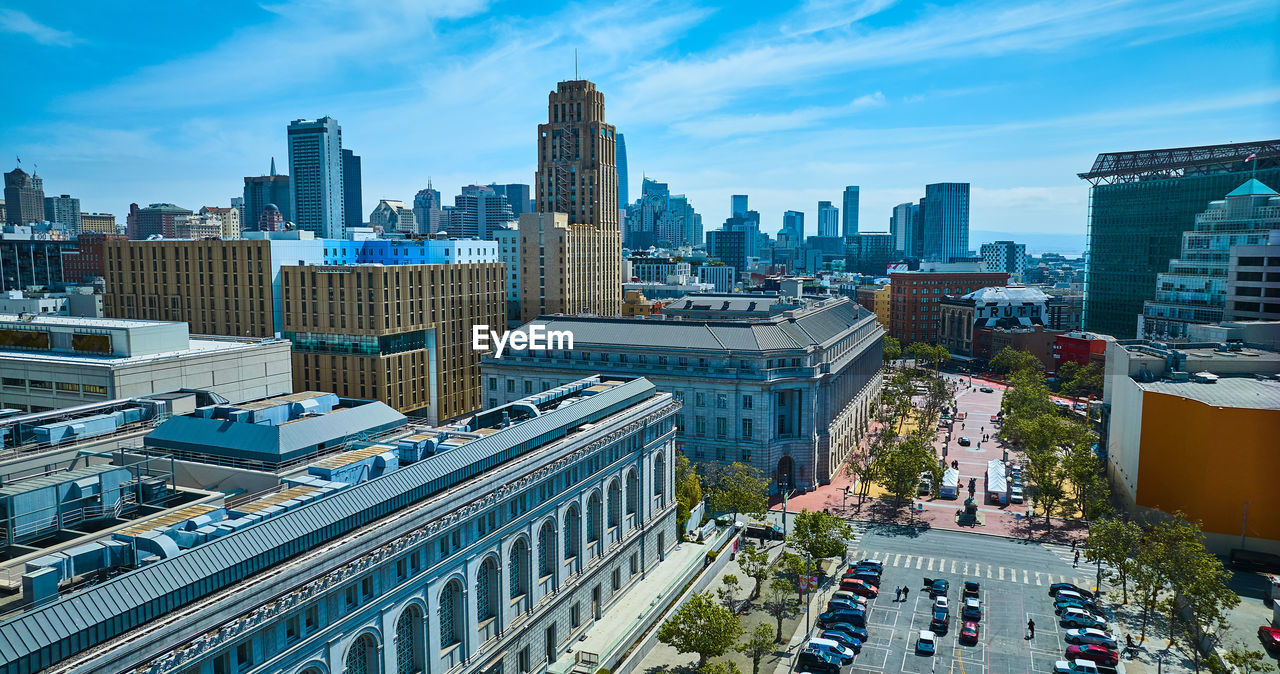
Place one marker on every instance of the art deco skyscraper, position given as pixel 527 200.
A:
pixel 577 176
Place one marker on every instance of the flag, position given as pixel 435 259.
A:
pixel 1251 157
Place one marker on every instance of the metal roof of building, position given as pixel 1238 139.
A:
pixel 1109 164
pixel 53 479
pixel 808 326
pixel 265 442
pixel 260 545
pixel 1241 392
pixel 1007 295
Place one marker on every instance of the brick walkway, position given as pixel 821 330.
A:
pixel 1009 521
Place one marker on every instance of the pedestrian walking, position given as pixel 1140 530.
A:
pixel 1076 563
pixel 905 591
pixel 897 593
pixel 1031 628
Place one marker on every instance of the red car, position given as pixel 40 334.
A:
pixel 1094 653
pixel 969 633
pixel 1270 637
pixel 860 587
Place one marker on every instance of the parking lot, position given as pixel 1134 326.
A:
pixel 1011 592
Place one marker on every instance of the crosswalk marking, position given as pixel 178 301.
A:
pixel 988 571
pixel 919 560
pixel 1001 573
pixel 1024 577
pixel 931 564
pixel 953 566
pixel 896 558
pixel 966 568
pixel 1038 578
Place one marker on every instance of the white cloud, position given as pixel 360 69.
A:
pixel 726 126
pixel 15 21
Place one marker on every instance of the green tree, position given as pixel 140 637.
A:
pixel 891 349
pixel 739 488
pixel 721 668
pixel 1066 372
pixel 1246 661
pixel 1202 596
pixel 731 588
pixel 701 626
pixel 781 601
pixel 758 645
pixel 688 489
pixel 755 563
pixel 1115 542
pixel 897 466
pixel 1079 381
pixel 1089 491
pixel 820 534
pixel 1009 360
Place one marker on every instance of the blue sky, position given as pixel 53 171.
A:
pixel 178 101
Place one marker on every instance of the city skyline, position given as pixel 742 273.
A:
pixel 788 132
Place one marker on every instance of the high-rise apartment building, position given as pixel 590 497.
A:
pixel 315 173
pixel 352 190
pixel 393 216
pixel 737 205
pixel 104 223
pixel 660 218
pixel 1140 203
pixel 850 223
pixel 229 216
pixel 1005 256
pixel 793 227
pixel 23 197
pixel 400 334
pixel 477 212
pixel 426 210
pixel 154 220
pixel 828 219
pixel 63 210
pixel 944 221
pixel 1253 281
pixel 1194 289
pixel 577 176
pixel 262 190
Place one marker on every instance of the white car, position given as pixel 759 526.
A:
pixel 1075 617
pixel 1077 667
pixel 829 646
pixel 1015 495
pixel 1090 635
pixel 1072 594
pixel 940 604
pixel 926 642
pixel 849 596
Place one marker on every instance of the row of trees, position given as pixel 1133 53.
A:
pixel 1061 462
pixel 710 626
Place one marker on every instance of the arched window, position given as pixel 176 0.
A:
pixel 546 550
pixel 615 504
pixel 572 532
pixel 362 657
pixel 518 567
pixel 487 589
pixel 593 517
pixel 451 614
pixel 633 492
pixel 660 479
pixel 409 641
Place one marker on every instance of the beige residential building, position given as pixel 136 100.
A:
pixel 104 223
pixel 400 334
pixel 573 264
pixel 231 225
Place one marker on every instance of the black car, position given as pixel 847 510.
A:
pixel 816 661
pixel 941 621
pixel 1062 605
pixel 971 588
pixel 1058 587
pixel 938 587
pixel 869 563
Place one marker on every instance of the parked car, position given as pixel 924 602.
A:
pixel 859 633
pixel 855 617
pixel 986 389
pixel 925 486
pixel 1074 617
pixel 860 587
pixel 849 596
pixel 866 575
pixel 972 609
pixel 1061 606
pixel 1059 587
pixel 841 604
pixel 844 654
pixel 940 622
pixel 969 633
pixel 817 662
pixel 937 587
pixel 1090 635
pixel 1270 637
pixel 1015 495
pixel 926 642
pixel 842 639
pixel 869 563
pixel 1098 654
pixel 1079 407
pixel 941 604
pixel 1074 667
pixel 964 442
pixel 971 588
